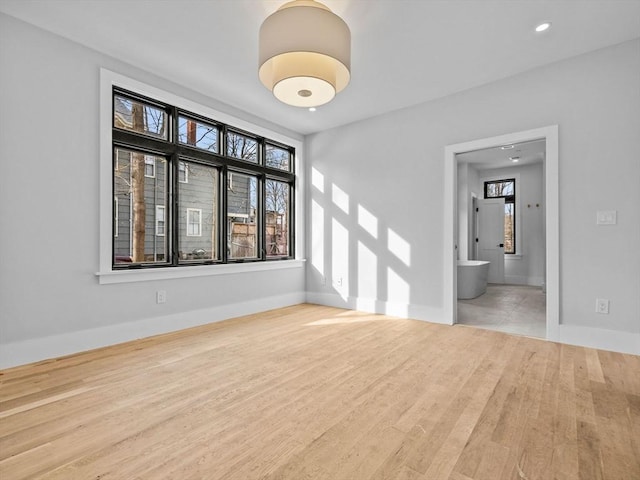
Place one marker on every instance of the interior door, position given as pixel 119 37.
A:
pixel 491 236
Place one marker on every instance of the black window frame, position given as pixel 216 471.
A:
pixel 508 199
pixel 175 151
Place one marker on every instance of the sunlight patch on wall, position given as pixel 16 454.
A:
pixel 340 198
pixel 317 180
pixel 368 221
pixel 340 258
pixel 398 294
pixel 399 247
pixel 317 235
pixel 367 281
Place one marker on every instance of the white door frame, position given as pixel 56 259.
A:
pixel 550 135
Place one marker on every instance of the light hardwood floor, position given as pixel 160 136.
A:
pixel 311 392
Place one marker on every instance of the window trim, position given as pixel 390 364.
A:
pixel 106 273
pixel 184 164
pixel 190 211
pixel 164 220
pixel 149 161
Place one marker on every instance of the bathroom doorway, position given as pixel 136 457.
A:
pixel 527 302
pixel 502 180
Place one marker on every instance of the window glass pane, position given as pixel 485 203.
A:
pixel 276 157
pixel 509 228
pixel 137 198
pixel 160 220
pixel 139 117
pixel 149 166
pixel 242 147
pixel 500 189
pixel 242 203
pixel 198 214
pixel 277 205
pixel 198 134
pixel 183 172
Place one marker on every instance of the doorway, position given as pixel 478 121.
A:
pixel 548 207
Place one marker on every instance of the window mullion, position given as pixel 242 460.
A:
pixel 224 216
pixel 203 188
pixel 174 191
pixel 262 217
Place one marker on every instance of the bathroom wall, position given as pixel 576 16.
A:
pixel 465 214
pixel 526 267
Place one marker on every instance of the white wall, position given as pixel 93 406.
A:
pixel 526 267
pixel 465 213
pixel 478 191
pixel 392 168
pixel 50 300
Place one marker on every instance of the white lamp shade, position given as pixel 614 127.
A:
pixel 305 53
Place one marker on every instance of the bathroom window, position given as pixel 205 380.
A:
pixel 506 189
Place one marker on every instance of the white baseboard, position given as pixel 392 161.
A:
pixel 600 338
pixel 371 305
pixel 612 340
pixel 38 349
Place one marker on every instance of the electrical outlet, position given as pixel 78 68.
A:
pixel 606 217
pixel 161 296
pixel 602 305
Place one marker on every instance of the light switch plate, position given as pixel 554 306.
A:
pixel 606 217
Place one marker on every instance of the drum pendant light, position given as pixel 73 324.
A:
pixel 304 53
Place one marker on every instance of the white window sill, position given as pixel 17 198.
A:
pixel 511 256
pixel 149 274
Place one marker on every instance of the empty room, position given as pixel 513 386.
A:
pixel 337 239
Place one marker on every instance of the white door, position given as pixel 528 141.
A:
pixel 491 236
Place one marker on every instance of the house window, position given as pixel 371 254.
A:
pixel 149 166
pixel 183 172
pixel 506 189
pixel 160 220
pixel 194 222
pixel 193 190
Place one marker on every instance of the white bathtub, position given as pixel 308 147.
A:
pixel 472 278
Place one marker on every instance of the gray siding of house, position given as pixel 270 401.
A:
pixel 199 192
pixel 154 194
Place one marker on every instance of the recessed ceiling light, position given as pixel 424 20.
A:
pixel 506 147
pixel 543 26
pixel 514 159
pixel 312 109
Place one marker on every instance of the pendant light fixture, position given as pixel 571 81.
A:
pixel 304 53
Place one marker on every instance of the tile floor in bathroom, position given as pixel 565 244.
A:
pixel 517 309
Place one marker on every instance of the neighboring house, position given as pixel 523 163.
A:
pixel 197 206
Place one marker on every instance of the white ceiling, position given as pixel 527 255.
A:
pixel 404 52
pixel 527 152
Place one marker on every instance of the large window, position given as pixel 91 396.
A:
pixel 190 190
pixel 505 189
